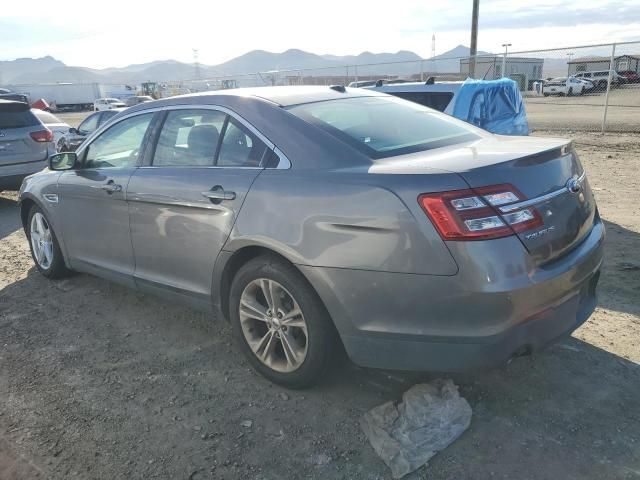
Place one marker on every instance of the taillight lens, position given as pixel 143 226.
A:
pixel 42 136
pixel 471 214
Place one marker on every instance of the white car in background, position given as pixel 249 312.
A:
pixel 107 104
pixel 53 123
pixel 566 86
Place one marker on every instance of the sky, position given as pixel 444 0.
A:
pixel 119 33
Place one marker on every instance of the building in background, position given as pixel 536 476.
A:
pixel 622 63
pixel 521 69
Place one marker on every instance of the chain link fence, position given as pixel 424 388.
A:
pixel 592 88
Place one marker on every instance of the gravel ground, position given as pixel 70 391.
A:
pixel 100 382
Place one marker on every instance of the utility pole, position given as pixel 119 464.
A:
pixel 504 59
pixel 570 55
pixel 474 38
pixel 196 64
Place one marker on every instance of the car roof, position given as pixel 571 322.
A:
pixel 281 96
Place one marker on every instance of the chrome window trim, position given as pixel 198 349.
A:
pixel 283 164
pixel 540 199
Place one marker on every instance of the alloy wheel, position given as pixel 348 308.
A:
pixel 273 325
pixel 41 240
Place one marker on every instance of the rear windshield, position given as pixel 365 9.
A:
pixel 46 117
pixel 17 118
pixel 384 127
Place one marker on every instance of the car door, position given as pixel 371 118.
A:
pixel 95 219
pixel 184 201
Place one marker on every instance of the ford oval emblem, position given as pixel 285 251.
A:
pixel 573 186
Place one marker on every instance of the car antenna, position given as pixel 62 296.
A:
pixel 430 81
pixel 338 88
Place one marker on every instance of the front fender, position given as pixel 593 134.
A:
pixel 41 189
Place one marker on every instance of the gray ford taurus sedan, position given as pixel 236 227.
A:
pixel 319 217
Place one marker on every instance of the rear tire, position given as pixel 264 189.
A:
pixel 570 92
pixel 45 249
pixel 287 349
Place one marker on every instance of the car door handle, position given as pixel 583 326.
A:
pixel 111 187
pixel 217 193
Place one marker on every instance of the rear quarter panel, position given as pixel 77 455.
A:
pixel 345 219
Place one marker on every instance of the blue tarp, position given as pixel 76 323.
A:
pixel 494 105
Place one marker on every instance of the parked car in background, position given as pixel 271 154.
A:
pixel 412 239
pixel 136 99
pixel 107 104
pixel 495 105
pixel 630 76
pixel 600 79
pixel 75 136
pixel 25 143
pixel 7 94
pixel 53 123
pixel 437 95
pixel 566 86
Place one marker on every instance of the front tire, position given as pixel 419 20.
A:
pixel 280 323
pixel 44 246
pixel 62 146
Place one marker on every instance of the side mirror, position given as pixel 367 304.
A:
pixel 63 161
pixel 73 130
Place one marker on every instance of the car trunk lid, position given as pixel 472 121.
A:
pixel 546 174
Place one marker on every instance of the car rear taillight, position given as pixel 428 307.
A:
pixel 42 136
pixel 473 214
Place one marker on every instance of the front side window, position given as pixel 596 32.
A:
pixel 384 126
pixel 189 138
pixel 120 145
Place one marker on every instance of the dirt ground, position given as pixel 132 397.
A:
pixel 100 382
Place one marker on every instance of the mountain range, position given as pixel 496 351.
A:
pixel 49 70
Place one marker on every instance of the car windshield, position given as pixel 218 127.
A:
pixel 113 100
pixel 384 126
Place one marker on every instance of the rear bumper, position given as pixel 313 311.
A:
pixel 476 319
pixel 11 176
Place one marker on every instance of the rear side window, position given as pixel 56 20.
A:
pixel 436 100
pixel 90 124
pixel 383 127
pixel 240 147
pixel 106 116
pixel 16 117
pixel 189 138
